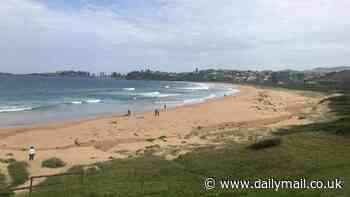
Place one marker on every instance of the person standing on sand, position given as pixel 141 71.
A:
pixel 165 107
pixel 32 153
pixel 156 112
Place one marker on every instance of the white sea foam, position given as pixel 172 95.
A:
pixel 77 102
pixel 93 100
pixel 231 91
pixel 14 109
pixel 198 100
pixel 129 89
pixel 198 86
pixel 168 95
pixel 167 87
pixel 156 94
pixel 210 97
pixel 189 101
pixel 149 94
pixel 169 102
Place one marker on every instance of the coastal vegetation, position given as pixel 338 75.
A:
pixel 53 163
pixel 2 181
pixel 18 171
pixel 266 143
pixel 319 156
pixel 340 108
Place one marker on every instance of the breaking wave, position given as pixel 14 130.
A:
pixel 15 108
pixel 93 101
pixel 77 102
pixel 155 94
pixel 198 86
pixel 198 100
pixel 129 89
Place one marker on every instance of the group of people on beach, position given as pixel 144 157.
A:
pixel 156 111
pixel 32 151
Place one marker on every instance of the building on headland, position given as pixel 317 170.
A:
pixel 104 76
pixel 286 78
pixel 71 73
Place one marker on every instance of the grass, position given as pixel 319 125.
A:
pixel 18 171
pixel 53 163
pixel 5 193
pixel 4 186
pixel 314 151
pixel 339 125
pixel 2 180
pixel 309 155
pixel 10 160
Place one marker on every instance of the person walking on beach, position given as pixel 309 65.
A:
pixel 156 112
pixel 165 107
pixel 32 153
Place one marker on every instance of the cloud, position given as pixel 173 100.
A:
pixel 172 35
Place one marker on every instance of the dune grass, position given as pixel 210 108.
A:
pixel 18 171
pixel 4 184
pixel 2 181
pixel 339 124
pixel 53 163
pixel 266 142
pixel 315 151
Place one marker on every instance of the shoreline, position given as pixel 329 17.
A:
pixel 178 130
pixel 76 120
pixel 63 123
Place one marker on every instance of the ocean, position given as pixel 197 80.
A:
pixel 34 99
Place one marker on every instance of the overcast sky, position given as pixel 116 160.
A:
pixel 172 35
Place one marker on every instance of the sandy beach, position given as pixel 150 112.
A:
pixel 176 131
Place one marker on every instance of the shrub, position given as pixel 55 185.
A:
pixel 5 193
pixel 10 160
pixel 266 143
pixel 94 169
pixel 2 179
pixel 53 163
pixel 150 140
pixel 18 171
pixel 163 137
pixel 3 187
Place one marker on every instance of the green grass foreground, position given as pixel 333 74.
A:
pixel 316 151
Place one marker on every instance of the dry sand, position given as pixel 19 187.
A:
pixel 174 132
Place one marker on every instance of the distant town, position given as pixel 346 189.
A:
pixel 328 78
